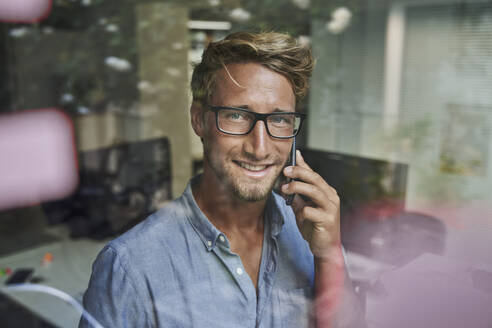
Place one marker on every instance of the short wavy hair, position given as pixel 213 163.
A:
pixel 279 52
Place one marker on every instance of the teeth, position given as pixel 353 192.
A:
pixel 252 167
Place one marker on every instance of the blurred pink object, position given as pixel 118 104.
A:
pixel 434 291
pixel 24 11
pixel 37 157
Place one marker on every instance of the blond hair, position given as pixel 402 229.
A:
pixel 277 51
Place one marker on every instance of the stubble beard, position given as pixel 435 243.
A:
pixel 250 191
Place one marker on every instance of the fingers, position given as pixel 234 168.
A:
pixel 313 192
pixel 310 218
pixel 300 160
pixel 310 184
pixel 303 172
pixel 304 225
pixel 316 206
pixel 315 215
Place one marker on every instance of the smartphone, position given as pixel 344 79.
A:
pixel 290 197
pixel 20 276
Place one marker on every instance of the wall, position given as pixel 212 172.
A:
pixel 417 92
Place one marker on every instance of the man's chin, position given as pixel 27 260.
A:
pixel 251 195
pixel 252 192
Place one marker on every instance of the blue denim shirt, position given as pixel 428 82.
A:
pixel 175 269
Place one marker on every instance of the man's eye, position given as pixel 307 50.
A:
pixel 283 120
pixel 235 116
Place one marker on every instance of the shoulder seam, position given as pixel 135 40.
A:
pixel 123 264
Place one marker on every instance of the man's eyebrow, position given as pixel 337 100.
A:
pixel 238 106
pixel 276 110
pixel 279 110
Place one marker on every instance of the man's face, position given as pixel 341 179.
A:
pixel 246 165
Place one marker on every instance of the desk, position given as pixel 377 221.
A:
pixel 70 272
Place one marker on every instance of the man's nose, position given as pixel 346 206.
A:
pixel 257 141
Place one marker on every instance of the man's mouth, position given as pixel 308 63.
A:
pixel 254 168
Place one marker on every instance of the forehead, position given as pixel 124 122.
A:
pixel 252 85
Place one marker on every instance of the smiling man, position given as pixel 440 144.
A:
pixel 229 252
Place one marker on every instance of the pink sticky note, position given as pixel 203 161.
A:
pixel 24 11
pixel 37 157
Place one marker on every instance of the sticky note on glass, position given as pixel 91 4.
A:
pixel 24 11
pixel 38 159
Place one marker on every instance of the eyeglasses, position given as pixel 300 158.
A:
pixel 240 121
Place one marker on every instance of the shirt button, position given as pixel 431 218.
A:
pixel 222 239
pixel 209 243
pixel 239 271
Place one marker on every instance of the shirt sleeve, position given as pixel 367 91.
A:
pixel 350 313
pixel 112 298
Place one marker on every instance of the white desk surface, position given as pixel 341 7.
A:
pixel 69 272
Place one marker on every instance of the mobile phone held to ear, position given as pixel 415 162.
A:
pixel 290 197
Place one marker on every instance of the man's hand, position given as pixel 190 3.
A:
pixel 316 206
pixel 317 209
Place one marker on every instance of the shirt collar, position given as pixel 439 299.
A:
pixel 274 213
pixel 209 234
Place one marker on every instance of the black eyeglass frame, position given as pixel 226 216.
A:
pixel 257 117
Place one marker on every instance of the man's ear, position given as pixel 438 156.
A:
pixel 197 117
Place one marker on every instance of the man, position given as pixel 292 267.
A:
pixel 229 252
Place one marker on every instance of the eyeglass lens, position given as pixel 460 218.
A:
pixel 240 122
